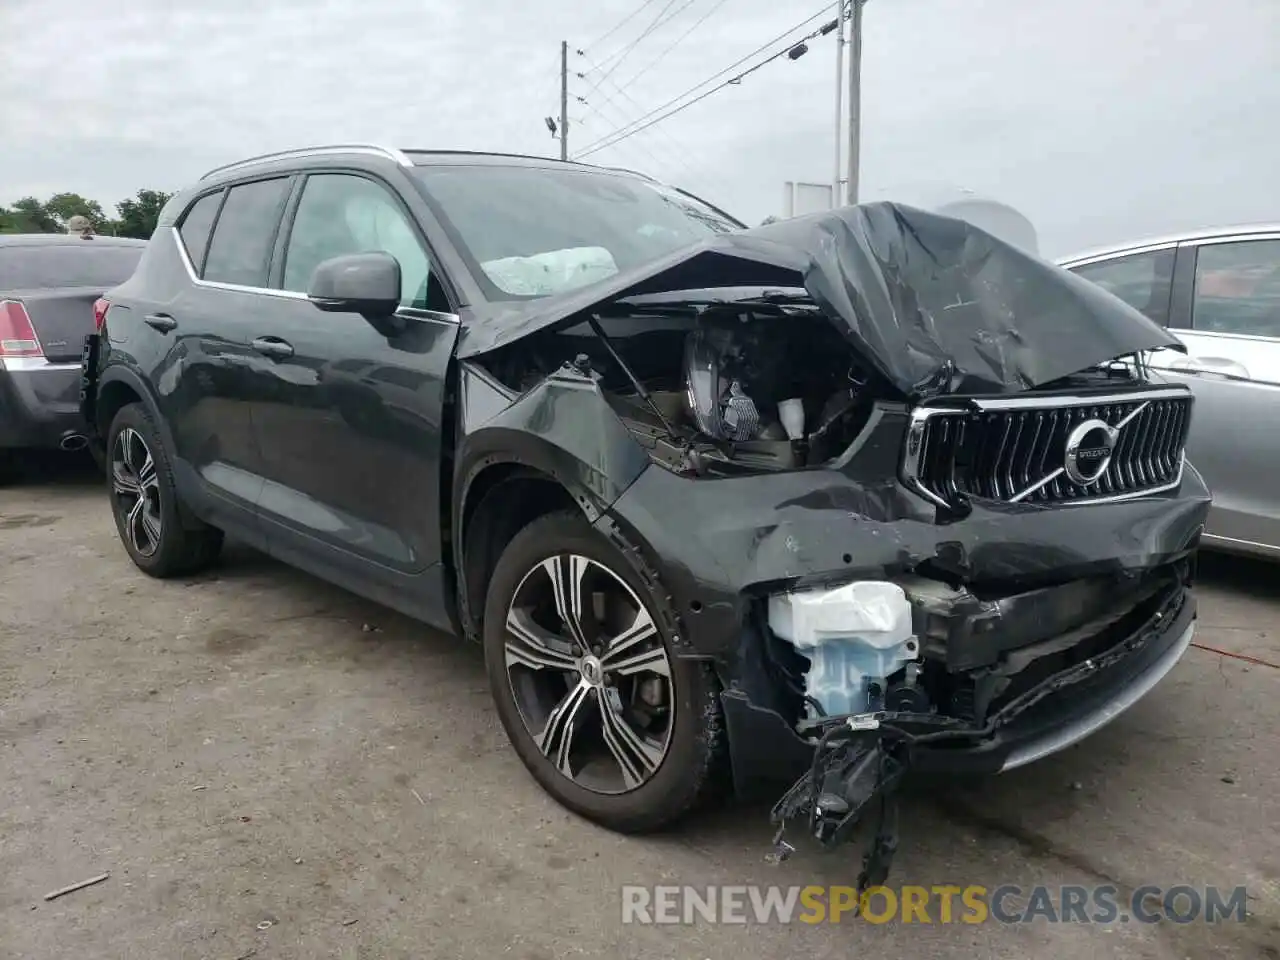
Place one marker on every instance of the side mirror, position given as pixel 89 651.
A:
pixel 363 283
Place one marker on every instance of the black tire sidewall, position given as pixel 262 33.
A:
pixel 676 785
pixel 173 548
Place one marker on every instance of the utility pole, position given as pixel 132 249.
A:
pixel 835 181
pixel 564 99
pixel 855 94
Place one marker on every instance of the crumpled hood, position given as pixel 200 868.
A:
pixel 934 304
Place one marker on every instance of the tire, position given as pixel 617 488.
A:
pixel 689 771
pixel 165 541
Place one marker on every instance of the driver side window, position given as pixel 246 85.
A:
pixel 340 214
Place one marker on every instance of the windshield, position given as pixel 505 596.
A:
pixel 84 264
pixel 530 231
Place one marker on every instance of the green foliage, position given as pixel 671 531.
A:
pixel 136 215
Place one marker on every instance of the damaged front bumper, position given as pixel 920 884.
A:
pixel 1056 618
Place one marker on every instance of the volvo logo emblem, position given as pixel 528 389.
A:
pixel 1089 449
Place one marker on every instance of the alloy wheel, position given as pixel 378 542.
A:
pixel 135 490
pixel 590 674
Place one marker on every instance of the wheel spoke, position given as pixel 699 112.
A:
pixel 646 661
pixel 530 646
pixel 123 482
pixel 134 524
pixel 566 573
pixel 556 738
pixel 621 653
pixel 636 758
pixel 151 525
pixel 147 472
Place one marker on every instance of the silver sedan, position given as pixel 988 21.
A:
pixel 1218 291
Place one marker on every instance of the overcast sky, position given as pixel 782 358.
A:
pixel 1101 120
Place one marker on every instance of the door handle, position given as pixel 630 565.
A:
pixel 160 321
pixel 273 347
pixel 1211 366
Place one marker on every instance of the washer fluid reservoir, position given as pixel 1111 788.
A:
pixel 855 636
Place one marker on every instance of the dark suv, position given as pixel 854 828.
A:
pixel 827 499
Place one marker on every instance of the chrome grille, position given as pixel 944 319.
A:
pixel 1016 449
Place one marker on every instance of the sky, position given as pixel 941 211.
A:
pixel 1101 120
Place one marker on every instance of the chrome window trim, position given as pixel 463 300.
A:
pixel 1232 238
pixel 29 364
pixel 301 153
pixel 1089 261
pixel 1210 235
pixel 409 312
pixel 909 466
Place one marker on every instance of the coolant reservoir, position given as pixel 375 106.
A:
pixel 855 636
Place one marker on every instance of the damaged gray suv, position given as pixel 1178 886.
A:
pixel 829 500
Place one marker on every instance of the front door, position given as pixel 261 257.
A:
pixel 352 445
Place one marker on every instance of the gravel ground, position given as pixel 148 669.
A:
pixel 270 767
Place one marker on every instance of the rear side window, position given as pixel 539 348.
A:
pixel 87 263
pixel 240 251
pixel 196 226
pixel 1238 288
pixel 1142 280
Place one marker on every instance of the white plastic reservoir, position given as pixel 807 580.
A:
pixel 855 635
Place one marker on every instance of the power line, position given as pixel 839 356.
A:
pixel 617 26
pixel 601 144
pixel 657 22
pixel 679 40
pixel 679 150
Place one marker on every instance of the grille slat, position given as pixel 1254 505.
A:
pixel 999 454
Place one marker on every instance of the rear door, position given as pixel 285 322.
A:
pixel 58 283
pixel 211 374
pixel 1227 312
pixel 352 437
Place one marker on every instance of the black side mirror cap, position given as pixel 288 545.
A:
pixel 363 283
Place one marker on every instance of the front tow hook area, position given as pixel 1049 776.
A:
pixel 858 766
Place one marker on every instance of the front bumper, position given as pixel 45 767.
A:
pixel 39 402
pixel 1061 710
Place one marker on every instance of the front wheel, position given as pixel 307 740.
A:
pixel 144 501
pixel 607 719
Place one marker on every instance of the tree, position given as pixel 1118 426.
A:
pixel 28 215
pixel 64 206
pixel 138 215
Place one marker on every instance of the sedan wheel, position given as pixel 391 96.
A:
pixel 135 487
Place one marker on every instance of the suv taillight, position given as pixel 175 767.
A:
pixel 17 336
pixel 100 313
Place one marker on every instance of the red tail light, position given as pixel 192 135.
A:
pixel 100 312
pixel 17 336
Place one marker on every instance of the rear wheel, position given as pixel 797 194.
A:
pixel 607 719
pixel 144 501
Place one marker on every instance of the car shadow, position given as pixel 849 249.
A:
pixel 56 469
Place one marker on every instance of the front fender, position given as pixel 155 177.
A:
pixel 564 428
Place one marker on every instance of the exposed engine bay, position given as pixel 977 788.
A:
pixel 765 382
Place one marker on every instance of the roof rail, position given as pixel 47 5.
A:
pixel 389 153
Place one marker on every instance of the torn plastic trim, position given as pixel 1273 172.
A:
pixel 934 304
pixel 860 759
